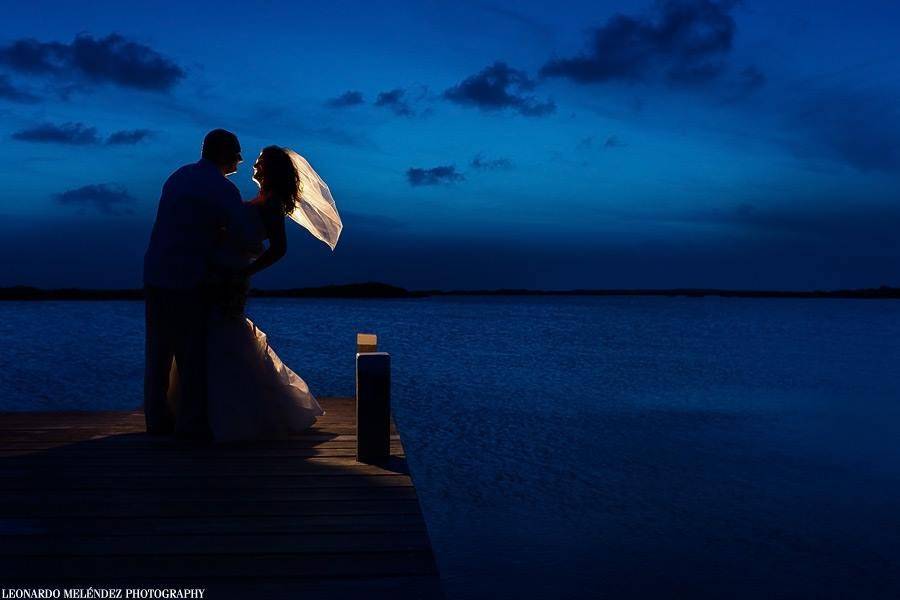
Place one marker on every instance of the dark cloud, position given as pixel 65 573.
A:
pixel 686 43
pixel 395 100
pixel 433 176
pixel 128 137
pixel 590 142
pixel 89 60
pixel 499 87
pixel 822 223
pixel 348 98
pixel 8 91
pixel 493 164
pixel 75 134
pixel 79 134
pixel 744 84
pixel 858 128
pixel 105 198
pixel 751 79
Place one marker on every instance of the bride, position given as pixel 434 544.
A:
pixel 251 393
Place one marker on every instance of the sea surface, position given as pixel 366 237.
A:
pixel 585 447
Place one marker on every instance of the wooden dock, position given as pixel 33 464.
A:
pixel 88 499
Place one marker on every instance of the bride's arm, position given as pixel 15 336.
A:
pixel 274 224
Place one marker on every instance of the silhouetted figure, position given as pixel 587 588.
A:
pixel 252 394
pixel 197 204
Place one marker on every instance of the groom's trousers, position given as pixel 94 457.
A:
pixel 176 331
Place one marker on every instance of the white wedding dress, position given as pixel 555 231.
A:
pixel 251 393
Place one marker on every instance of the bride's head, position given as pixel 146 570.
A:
pixel 275 174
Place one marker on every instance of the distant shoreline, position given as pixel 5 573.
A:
pixel 382 290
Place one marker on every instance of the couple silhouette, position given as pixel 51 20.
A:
pixel 210 374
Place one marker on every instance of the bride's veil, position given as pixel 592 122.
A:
pixel 316 211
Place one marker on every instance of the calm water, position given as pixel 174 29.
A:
pixel 575 447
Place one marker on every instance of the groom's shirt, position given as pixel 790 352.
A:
pixel 197 202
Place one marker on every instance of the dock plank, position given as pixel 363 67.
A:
pixel 89 498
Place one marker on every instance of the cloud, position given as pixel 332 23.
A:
pixel 395 100
pixel 499 87
pixel 832 222
pixel 79 134
pixel 10 92
pixel 858 128
pixel 106 198
pixel 88 60
pixel 434 176
pixel 588 143
pixel 348 98
pixel 686 43
pixel 75 134
pixel 495 164
pixel 128 137
pixel 751 79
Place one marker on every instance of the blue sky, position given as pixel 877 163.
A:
pixel 470 144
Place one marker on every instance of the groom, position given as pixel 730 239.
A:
pixel 197 203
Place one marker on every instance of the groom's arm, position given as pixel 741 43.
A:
pixel 234 220
pixel 232 235
pixel 275 231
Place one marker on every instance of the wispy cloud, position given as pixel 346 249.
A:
pixel 683 43
pixel 74 134
pixel 348 98
pixel 128 137
pixel 433 176
pixel 395 100
pixel 864 224
pixel 79 134
pixel 490 164
pixel 499 87
pixel 13 93
pixel 858 128
pixel 590 142
pixel 88 61
pixel 748 81
pixel 106 198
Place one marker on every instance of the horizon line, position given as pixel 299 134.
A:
pixel 374 289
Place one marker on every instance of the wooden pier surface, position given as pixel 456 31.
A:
pixel 88 499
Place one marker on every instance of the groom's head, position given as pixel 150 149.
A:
pixel 222 148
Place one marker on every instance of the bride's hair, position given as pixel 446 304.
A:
pixel 280 179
